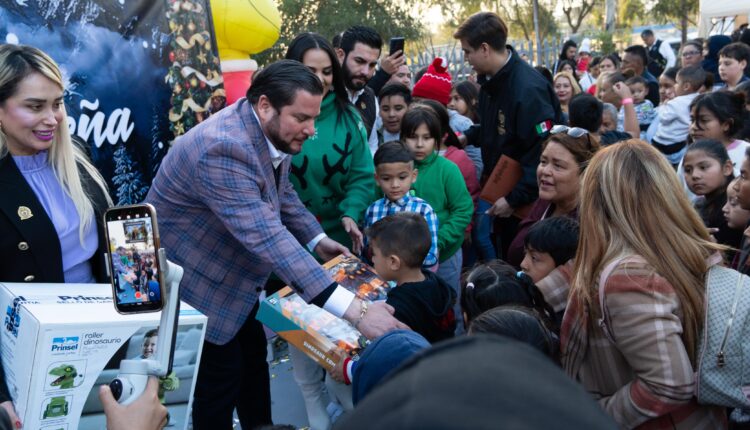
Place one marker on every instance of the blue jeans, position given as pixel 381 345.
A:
pixel 480 235
pixel 450 272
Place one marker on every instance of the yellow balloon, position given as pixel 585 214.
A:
pixel 244 27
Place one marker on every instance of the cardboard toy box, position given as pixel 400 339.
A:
pixel 60 342
pixel 318 333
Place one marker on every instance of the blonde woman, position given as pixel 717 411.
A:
pixel 52 196
pixel 566 86
pixel 640 362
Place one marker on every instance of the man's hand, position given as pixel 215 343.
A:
pixel 391 63
pixel 351 228
pixel 337 373
pixel 15 421
pixel 328 248
pixel 146 413
pixel 377 321
pixel 501 209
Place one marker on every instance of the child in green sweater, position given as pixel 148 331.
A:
pixel 442 185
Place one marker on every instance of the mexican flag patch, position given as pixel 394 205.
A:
pixel 543 127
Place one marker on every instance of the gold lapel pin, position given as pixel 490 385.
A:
pixel 24 213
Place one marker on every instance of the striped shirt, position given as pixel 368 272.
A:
pixel 408 203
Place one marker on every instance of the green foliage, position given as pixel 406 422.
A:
pixel 678 11
pixel 329 17
pixel 629 12
pixel 518 15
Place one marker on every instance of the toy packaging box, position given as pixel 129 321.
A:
pixel 322 336
pixel 60 342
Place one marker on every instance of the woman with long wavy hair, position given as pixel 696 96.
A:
pixel 637 356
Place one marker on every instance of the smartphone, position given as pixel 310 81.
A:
pixel 137 276
pixel 397 44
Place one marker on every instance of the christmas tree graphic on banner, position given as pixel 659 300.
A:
pixel 131 188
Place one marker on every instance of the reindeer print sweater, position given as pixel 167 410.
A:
pixel 334 174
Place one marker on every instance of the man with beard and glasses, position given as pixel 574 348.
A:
pixel 230 217
pixel 358 53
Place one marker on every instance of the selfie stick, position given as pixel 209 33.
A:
pixel 133 376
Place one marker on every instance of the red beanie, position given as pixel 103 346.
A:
pixel 436 83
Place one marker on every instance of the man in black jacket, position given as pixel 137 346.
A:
pixel 517 108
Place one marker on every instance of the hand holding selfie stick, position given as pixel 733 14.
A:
pixel 133 375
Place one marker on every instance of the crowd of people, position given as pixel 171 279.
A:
pixel 631 179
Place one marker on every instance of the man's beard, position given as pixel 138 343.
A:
pixel 272 129
pixel 348 78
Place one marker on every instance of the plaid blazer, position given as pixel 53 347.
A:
pixel 644 379
pixel 223 219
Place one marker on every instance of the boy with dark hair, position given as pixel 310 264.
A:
pixel 674 116
pixel 636 60
pixel 421 299
pixel 733 59
pixel 517 107
pixel 587 112
pixel 394 100
pixel 550 243
pixel 395 174
pixel 644 109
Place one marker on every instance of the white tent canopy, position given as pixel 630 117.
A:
pixel 714 10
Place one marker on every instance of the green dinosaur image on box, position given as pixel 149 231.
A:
pixel 57 407
pixel 66 376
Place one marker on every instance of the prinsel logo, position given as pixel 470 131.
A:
pixel 65 344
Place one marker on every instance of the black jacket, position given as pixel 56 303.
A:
pixel 31 248
pixel 426 307
pixel 511 106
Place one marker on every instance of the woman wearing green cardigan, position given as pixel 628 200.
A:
pixel 334 177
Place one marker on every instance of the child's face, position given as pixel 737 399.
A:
pixel 731 70
pixel 537 264
pixel 149 346
pixel 395 179
pixel 381 263
pixel 421 144
pixel 736 217
pixel 703 173
pixel 666 89
pixel 392 110
pixel 458 103
pixel 639 92
pixel 742 185
pixel 705 125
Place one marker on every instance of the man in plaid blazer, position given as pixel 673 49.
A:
pixel 229 216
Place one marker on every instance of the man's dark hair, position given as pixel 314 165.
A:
pixel 336 41
pixel 393 152
pixel 403 234
pixel 557 236
pixel 483 27
pixel 585 111
pixel 360 34
pixel 647 32
pixel 638 51
pixel 546 73
pixel 395 89
pixel 280 82
pixel 737 50
pixel 694 75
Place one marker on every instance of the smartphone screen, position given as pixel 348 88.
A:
pixel 133 240
pixel 397 44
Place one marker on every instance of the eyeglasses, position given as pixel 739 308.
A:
pixel 574 132
pixel 690 53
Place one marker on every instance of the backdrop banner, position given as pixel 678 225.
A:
pixel 137 74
